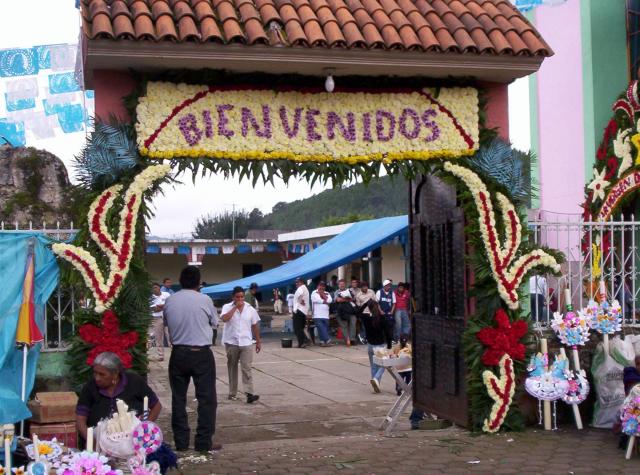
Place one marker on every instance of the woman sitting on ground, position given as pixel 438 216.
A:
pixel 111 382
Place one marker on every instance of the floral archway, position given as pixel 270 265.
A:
pixel 260 131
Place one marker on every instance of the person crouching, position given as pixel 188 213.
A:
pixel 241 328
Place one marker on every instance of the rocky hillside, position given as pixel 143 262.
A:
pixel 34 186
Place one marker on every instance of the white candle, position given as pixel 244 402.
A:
pixel 543 348
pixel 567 297
pixel 546 405
pixel 90 439
pixel 145 404
pixel 603 290
pixel 7 455
pixel 36 447
pixel 630 444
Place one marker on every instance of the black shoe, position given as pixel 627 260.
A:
pixel 214 448
pixel 251 398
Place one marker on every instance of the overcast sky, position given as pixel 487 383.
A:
pixel 57 21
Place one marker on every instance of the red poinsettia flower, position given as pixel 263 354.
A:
pixel 505 339
pixel 108 338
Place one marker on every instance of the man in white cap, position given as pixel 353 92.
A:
pixel 387 301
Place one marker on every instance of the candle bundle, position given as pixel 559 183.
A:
pixel 114 434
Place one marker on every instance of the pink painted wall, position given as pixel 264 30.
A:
pixel 110 87
pixel 560 110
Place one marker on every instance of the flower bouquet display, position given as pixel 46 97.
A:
pixel 603 317
pixel 547 384
pixel 573 329
pixel 82 463
pixel 630 417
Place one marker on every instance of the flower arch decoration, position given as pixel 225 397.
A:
pixel 263 131
pixel 616 173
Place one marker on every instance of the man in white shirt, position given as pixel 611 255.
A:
pixel 241 328
pixel 321 299
pixel 538 295
pixel 290 302
pixel 301 305
pixel 157 325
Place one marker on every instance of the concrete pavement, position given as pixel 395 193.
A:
pixel 317 414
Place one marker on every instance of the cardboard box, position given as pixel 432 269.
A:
pixel 53 407
pixel 65 432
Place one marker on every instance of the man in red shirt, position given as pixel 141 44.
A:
pixel 403 306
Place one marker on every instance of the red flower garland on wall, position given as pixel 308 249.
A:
pixel 503 340
pixel 108 338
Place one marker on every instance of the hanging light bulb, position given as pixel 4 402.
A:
pixel 329 84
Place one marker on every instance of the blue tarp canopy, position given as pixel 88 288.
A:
pixel 354 242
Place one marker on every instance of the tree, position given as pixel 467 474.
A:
pixel 349 218
pixel 221 225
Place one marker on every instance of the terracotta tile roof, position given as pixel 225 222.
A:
pixel 492 27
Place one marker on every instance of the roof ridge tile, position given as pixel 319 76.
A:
pixel 160 8
pixel 210 31
pixel 182 9
pixel 493 27
pixel 165 27
pixel 122 27
pixel 334 35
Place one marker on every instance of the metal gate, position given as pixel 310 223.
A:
pixel 438 276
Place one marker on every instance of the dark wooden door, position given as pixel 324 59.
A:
pixel 438 283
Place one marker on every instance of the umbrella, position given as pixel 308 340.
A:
pixel 27 332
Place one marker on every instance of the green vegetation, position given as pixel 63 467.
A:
pixel 386 196
pixel 349 218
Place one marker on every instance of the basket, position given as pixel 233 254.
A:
pixel 286 343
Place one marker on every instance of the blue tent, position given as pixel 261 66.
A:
pixel 354 242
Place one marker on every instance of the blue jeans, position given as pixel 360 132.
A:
pixel 322 325
pixel 376 371
pixel 403 324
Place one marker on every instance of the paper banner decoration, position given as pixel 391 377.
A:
pixel 40 95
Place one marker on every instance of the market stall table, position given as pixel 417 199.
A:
pixel 391 365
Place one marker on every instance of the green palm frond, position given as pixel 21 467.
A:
pixel 509 167
pixel 109 153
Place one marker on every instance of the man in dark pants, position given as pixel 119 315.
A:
pixel 301 304
pixel 190 316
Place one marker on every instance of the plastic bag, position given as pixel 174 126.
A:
pixel 622 351
pixel 607 378
pixel 119 444
pixel 635 341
